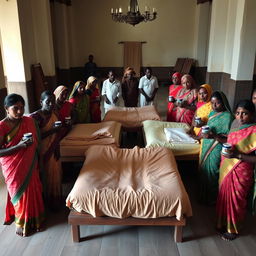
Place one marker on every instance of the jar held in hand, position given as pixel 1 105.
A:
pixel 205 129
pixel 27 136
pixel 57 124
pixel 171 99
pixel 198 120
pixel 68 120
pixel 226 149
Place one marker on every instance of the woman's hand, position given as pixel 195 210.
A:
pixel 209 135
pixel 25 143
pixel 184 104
pixel 233 153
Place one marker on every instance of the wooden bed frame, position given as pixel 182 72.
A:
pixel 76 219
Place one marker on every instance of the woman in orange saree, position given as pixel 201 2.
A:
pixel 51 136
pixel 237 172
pixel 185 103
pixel 174 88
pixel 19 161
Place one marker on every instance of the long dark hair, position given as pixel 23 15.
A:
pixel 223 99
pixel 246 104
pixel 12 99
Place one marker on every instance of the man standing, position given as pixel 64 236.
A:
pixel 148 87
pixel 111 91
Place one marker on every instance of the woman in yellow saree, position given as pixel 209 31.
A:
pixel 46 118
pixel 219 122
pixel 203 106
pixel 19 161
pixel 237 172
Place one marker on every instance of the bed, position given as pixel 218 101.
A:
pixel 154 136
pixel 139 186
pixel 74 146
pixel 132 118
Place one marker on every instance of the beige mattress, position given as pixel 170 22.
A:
pixel 138 182
pixel 132 117
pixel 155 137
pixel 82 136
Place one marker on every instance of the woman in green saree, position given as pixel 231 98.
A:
pixel 80 100
pixel 220 119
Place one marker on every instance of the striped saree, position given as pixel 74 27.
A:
pixel 210 156
pixel 21 173
pixel 236 179
pixel 184 115
pixel 50 156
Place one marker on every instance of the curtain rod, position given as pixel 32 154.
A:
pixel 122 42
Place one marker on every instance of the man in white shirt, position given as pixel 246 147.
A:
pixel 148 87
pixel 111 91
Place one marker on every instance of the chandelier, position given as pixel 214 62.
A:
pixel 133 16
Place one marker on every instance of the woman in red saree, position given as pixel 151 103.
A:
pixel 237 172
pixel 185 102
pixel 174 88
pixel 95 112
pixel 51 136
pixel 63 107
pixel 19 161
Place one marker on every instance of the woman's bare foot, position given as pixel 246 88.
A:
pixel 229 236
pixel 19 231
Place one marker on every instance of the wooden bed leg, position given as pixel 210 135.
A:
pixel 178 234
pixel 75 229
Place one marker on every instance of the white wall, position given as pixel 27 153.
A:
pixel 170 36
pixel 11 41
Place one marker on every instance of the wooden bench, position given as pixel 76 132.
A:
pixel 76 219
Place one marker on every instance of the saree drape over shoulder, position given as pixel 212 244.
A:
pixel 203 111
pixel 173 91
pixel 236 180
pixel 184 115
pixel 21 173
pixel 81 107
pixel 95 106
pixel 50 157
pixel 210 156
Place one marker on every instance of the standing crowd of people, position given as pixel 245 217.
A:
pixel 29 153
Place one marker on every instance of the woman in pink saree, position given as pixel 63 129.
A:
pixel 237 172
pixel 20 165
pixel 185 102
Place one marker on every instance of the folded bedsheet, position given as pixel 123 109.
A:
pixel 132 117
pixel 155 137
pixel 138 182
pixel 82 136
pixel 178 135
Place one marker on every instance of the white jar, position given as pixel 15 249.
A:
pixel 226 148
pixel 205 129
pixel 198 120
pixel 57 123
